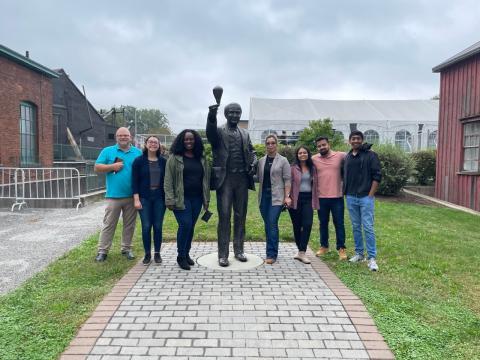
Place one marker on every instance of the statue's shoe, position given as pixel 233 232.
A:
pixel 223 262
pixel 241 257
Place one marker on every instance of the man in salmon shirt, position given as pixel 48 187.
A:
pixel 329 167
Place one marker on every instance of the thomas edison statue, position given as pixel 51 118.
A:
pixel 234 163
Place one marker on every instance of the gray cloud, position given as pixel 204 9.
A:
pixel 170 54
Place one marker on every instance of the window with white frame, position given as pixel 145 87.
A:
pixel 403 140
pixel 371 137
pixel 471 146
pixel 432 140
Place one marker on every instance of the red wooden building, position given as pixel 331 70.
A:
pixel 458 141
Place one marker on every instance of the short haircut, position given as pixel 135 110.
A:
pixel 355 133
pixel 322 137
pixel 271 136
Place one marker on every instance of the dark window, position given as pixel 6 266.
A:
pixel 111 136
pixel 28 135
pixel 471 146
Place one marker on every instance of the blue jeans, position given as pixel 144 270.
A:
pixel 151 216
pixel 270 215
pixel 361 211
pixel 335 206
pixel 186 220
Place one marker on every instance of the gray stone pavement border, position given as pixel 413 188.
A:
pixel 162 312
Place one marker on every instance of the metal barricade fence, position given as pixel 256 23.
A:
pixel 24 184
pixel 9 179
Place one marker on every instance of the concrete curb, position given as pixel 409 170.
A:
pixel 441 202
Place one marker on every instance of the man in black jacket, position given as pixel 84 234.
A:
pixel 234 163
pixel 361 176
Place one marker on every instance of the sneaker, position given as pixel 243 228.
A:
pixel 322 251
pixel 372 264
pixel 357 258
pixel 342 254
pixel 147 259
pixel 128 254
pixel 302 257
pixel 101 257
pixel 157 258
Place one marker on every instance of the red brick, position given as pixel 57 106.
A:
pixel 17 84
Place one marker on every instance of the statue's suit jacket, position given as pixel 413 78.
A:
pixel 218 138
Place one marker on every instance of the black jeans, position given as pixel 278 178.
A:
pixel 337 207
pixel 302 220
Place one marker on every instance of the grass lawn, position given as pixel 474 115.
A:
pixel 39 319
pixel 425 299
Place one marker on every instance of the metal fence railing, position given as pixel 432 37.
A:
pixel 9 178
pixel 26 184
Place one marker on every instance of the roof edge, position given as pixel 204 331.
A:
pixel 462 55
pixel 27 62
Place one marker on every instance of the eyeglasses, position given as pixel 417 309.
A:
pixel 153 142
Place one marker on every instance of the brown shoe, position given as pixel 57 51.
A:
pixel 322 251
pixel 269 261
pixel 342 254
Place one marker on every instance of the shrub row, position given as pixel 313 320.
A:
pixel 398 167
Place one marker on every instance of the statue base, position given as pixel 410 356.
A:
pixel 211 261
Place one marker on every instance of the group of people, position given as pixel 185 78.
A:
pixel 147 183
pixel 319 182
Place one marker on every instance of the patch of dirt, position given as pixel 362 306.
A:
pixel 407 198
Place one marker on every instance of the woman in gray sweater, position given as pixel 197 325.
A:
pixel 274 193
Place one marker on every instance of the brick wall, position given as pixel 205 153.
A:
pixel 17 84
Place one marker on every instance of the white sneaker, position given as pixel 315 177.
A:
pixel 372 264
pixel 357 258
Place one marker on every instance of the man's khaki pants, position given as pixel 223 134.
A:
pixel 112 214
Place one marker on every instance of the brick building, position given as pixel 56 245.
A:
pixel 26 119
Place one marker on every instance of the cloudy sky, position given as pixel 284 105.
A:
pixel 170 54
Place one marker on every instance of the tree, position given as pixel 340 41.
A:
pixel 316 128
pixel 149 121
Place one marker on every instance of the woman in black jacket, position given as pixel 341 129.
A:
pixel 148 172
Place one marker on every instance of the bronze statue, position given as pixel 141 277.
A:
pixel 234 163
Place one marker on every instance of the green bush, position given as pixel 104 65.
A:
pixel 397 167
pixel 287 151
pixel 425 162
pixel 316 128
pixel 208 151
pixel 260 150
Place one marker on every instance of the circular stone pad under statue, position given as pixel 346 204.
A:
pixel 211 261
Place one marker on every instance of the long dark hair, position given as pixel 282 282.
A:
pixel 178 147
pixel 158 152
pixel 308 162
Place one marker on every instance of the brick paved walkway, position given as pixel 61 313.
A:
pixel 288 310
